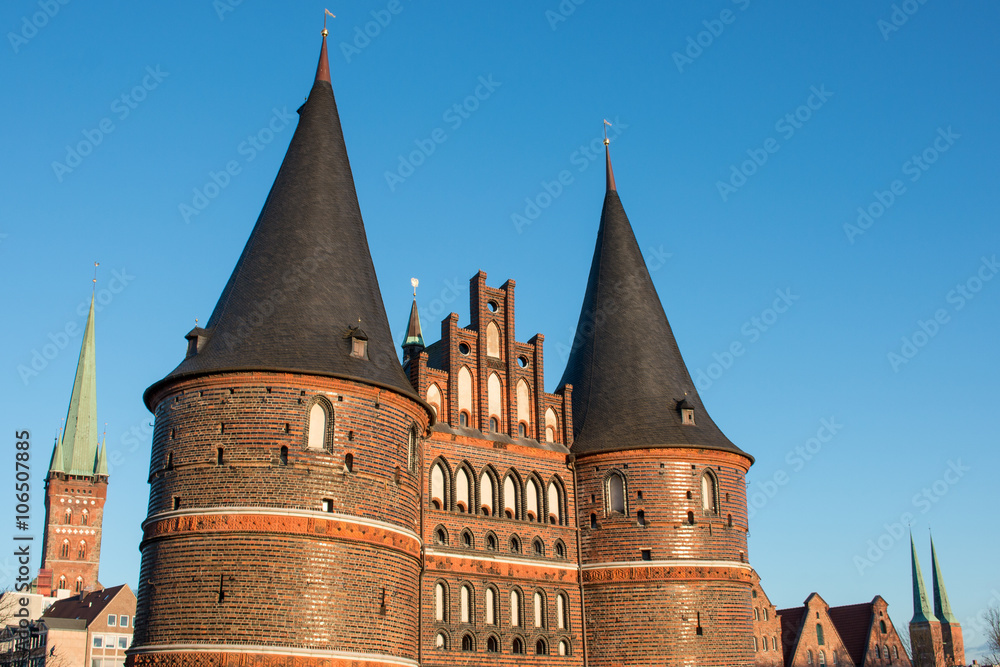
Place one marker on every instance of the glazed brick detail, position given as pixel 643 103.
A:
pixel 656 624
pixel 301 580
pixel 663 477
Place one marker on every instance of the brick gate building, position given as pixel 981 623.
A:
pixel 314 502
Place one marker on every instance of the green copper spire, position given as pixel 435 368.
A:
pixel 56 464
pixel 942 608
pixel 79 441
pixel 414 335
pixel 101 466
pixel 921 608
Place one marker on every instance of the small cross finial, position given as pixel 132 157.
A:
pixel 414 282
pixel 96 264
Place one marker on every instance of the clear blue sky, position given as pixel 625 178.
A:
pixel 683 123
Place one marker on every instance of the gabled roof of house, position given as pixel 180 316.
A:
pixel 853 623
pixel 86 606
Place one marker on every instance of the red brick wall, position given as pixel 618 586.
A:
pixel 651 614
pixel 889 638
pixel 807 641
pixel 295 577
pixel 767 642
pixel 480 567
pixel 77 494
pixel 954 646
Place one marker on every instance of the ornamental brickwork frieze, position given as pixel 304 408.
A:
pixel 242 660
pixel 616 575
pixel 284 525
pixel 498 570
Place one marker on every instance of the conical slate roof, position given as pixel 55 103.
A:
pixel 306 276
pixel 628 376
pixel 76 449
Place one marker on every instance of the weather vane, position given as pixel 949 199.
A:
pixel 606 126
pixel 326 12
pixel 414 282
pixel 96 264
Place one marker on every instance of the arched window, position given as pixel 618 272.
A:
pixel 755 644
pixel 515 544
pixel 440 535
pixel 462 503
pixel 517 646
pixel 438 487
pixel 616 493
pixel 836 659
pixel 539 608
pixel 85 519
pixel 465 603
pixel 492 544
pixel 68 517
pixel 774 647
pixel 463 419
pixel 411 447
pixel 881 625
pixel 440 641
pixel 511 501
pixel 467 540
pixel 561 621
pixel 708 493
pixel 563 647
pixel 283 456
pixel 551 430
pixel 62 583
pixel 78 586
pixel 537 548
pixel 822 659
pixel 765 613
pixel 318 418
pixel 756 614
pixel 523 395
pixel 885 651
pixel 486 494
pixel 493 340
pixel 465 394
pixel 348 462
pixel 440 602
pixel 531 497
pixel 492 645
pixel 435 399
pixel 467 643
pixel 690 518
pixel 555 503
pixel 491 606
pixel 81 551
pixel 541 648
pixel 515 609
pixel 878 651
pixel 560 550
pixel 494 400
pixel 895 652
pixel 764 642
pixel 819 634
pixel 809 657
pixel 64 550
pixel 494 425
pixel 593 520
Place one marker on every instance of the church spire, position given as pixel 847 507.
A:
pixel 942 608
pixel 413 344
pixel 306 276
pixel 77 447
pixel 921 608
pixel 609 173
pixel 631 388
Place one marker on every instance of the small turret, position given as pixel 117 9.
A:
pixel 413 344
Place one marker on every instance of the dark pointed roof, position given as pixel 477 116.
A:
pixel 306 275
pixel 414 335
pixel 921 607
pixel 627 373
pixel 942 607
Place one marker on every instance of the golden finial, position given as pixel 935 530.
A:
pixel 414 282
pixel 606 126
pixel 96 264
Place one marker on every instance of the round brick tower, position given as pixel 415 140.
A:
pixel 283 523
pixel 661 491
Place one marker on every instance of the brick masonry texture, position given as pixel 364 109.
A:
pixel 85 498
